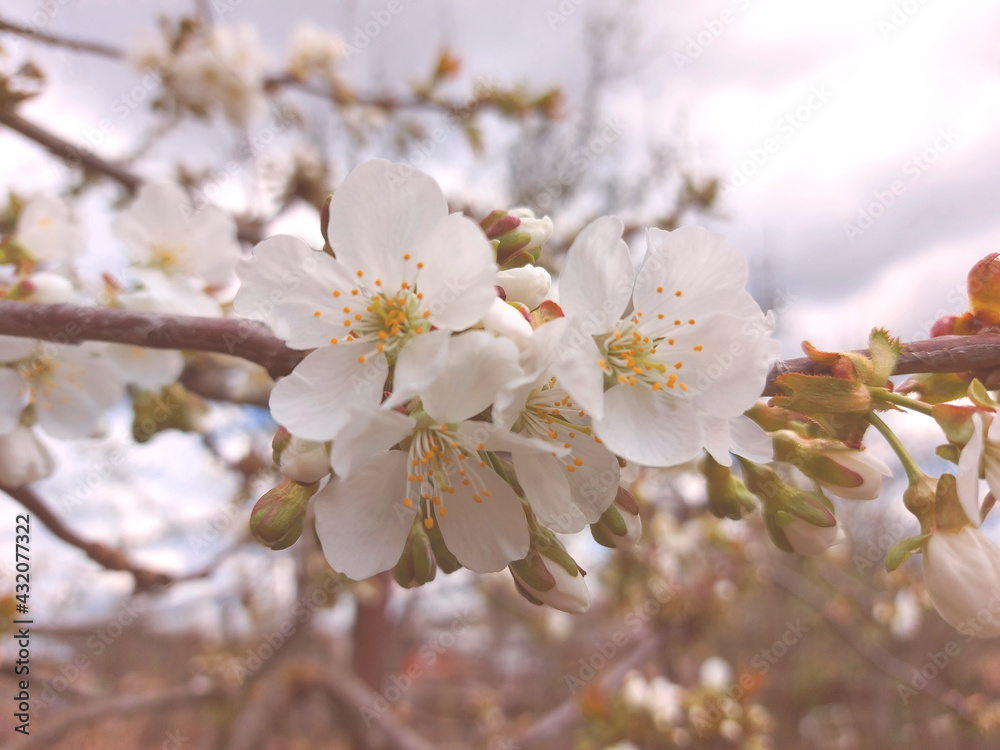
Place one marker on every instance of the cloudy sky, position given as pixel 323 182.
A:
pixel 860 139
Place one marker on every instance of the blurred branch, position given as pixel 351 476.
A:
pixel 67 152
pixel 881 659
pixel 116 708
pixel 60 41
pixel 254 342
pixel 103 555
pixel 557 722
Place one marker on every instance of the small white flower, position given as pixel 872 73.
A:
pixel 403 266
pixel 47 230
pixel 70 386
pixel 527 285
pixel 962 575
pixel 23 458
pixel 315 51
pixel 304 461
pixel 147 49
pixel 716 673
pixel 163 231
pixel 695 346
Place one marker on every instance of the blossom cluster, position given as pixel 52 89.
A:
pixel 464 415
pixel 178 259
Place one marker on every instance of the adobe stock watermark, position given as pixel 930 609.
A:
pixel 559 15
pixel 713 711
pixel 785 128
pixel 899 16
pixel 632 624
pixel 712 29
pixel 913 168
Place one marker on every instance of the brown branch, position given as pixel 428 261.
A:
pixel 102 554
pixel 76 45
pixel 254 342
pixel 70 324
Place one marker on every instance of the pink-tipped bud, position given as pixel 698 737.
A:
pixel 277 519
pixel 518 235
pixel 619 527
pixel 984 289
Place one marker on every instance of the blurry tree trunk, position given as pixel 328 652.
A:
pixel 371 633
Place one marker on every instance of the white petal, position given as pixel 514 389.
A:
pixel 478 366
pixel 24 458
pixel 596 281
pixel 84 387
pixel 484 536
pixel 962 575
pixel 214 245
pixel 419 363
pixel 15 348
pixel 12 399
pixel 159 215
pixel 646 428
pixel 725 377
pixel 577 369
pixel 367 433
pixel 505 320
pixel 458 279
pixel 377 215
pixel 750 441
pixel 718 439
pixel 361 521
pixel 527 285
pixel 146 368
pixel 285 283
pixel 967 474
pixel 315 400
pixel 494 438
pixel 704 266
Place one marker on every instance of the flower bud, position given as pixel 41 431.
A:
pixel 728 497
pixel 548 575
pixel 23 458
pixel 277 519
pixel 44 287
pixel 527 285
pixel 796 520
pixel 962 575
pixel 416 565
pixel 519 236
pixel 619 527
pixel 984 289
pixel 806 539
pixel 846 472
pixel 304 461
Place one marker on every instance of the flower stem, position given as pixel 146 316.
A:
pixel 913 472
pixel 900 400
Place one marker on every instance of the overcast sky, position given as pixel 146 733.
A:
pixel 820 115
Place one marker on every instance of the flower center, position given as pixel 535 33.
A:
pixel 38 374
pixel 167 256
pixel 631 357
pixel 549 414
pixel 439 460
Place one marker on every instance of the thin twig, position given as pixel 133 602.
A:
pixel 45 37
pixel 103 555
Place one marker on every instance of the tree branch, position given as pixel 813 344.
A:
pixel 103 555
pixel 254 342
pixel 60 41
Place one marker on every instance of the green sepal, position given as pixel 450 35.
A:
pixel 900 552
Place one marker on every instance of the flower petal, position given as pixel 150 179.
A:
pixel 285 283
pixel 967 474
pixel 642 426
pixel 361 521
pixel 14 348
pixel 84 386
pixel 419 363
pixel 596 280
pixel 749 440
pixel 377 215
pixel 478 365
pixel 12 398
pixel 484 536
pixel 458 278
pixel 315 401
pixel 367 433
